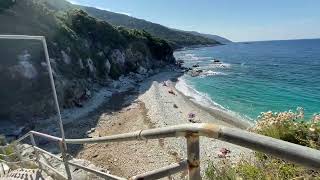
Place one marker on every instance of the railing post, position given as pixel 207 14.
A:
pixel 5 158
pixel 18 152
pixel 65 159
pixel 193 151
pixel 33 142
pixel 3 151
pixel 3 170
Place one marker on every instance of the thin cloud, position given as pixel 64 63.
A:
pixel 98 7
pixel 124 13
pixel 74 2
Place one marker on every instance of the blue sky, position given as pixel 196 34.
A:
pixel 238 20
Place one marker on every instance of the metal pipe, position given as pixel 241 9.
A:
pixel 54 92
pixel 17 151
pixel 46 136
pixel 33 142
pixel 288 151
pixel 172 131
pixel 284 150
pixel 3 170
pixel 22 138
pixel 46 53
pixel 21 37
pixel 65 160
pixel 60 176
pixel 48 153
pixel 163 172
pixel 98 173
pixel 193 152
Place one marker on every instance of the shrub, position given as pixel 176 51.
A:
pixel 5 4
pixel 288 126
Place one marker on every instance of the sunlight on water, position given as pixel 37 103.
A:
pixel 259 76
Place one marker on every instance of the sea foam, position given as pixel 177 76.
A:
pixel 204 100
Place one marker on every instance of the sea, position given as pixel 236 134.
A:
pixel 255 77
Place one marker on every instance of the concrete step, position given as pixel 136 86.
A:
pixel 26 174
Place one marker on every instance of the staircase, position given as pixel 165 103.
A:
pixel 26 174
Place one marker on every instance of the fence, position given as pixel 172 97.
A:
pixel 192 132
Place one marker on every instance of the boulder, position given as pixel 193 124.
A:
pixel 151 72
pixel 91 67
pixel 81 63
pixel 216 61
pixel 24 68
pixel 142 70
pixel 195 65
pixel 118 57
pixel 195 72
pixel 65 57
pixel 107 66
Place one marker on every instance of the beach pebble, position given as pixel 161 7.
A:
pixel 171 92
pixel 191 115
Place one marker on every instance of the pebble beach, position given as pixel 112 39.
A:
pixel 157 104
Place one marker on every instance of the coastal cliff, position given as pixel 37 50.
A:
pixel 84 53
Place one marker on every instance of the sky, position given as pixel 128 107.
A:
pixel 237 20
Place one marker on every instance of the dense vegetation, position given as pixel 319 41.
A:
pixel 287 126
pixel 83 51
pixel 5 4
pixel 174 37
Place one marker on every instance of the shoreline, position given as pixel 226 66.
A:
pixel 219 113
pixel 148 105
pixel 197 46
pixel 152 106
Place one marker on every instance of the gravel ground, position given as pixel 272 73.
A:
pixel 161 110
pixel 153 107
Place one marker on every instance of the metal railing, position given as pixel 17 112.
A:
pixel 192 132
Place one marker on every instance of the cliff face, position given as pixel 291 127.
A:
pixel 83 51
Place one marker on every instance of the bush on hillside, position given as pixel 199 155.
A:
pixel 288 126
pixel 5 4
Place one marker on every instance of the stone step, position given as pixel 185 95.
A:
pixel 26 174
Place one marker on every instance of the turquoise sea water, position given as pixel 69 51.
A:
pixel 256 77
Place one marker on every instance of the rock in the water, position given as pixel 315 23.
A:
pixel 216 61
pixel 195 65
pixel 195 73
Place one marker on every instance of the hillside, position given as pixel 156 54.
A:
pixel 217 38
pixel 175 38
pixel 220 39
pixel 84 51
